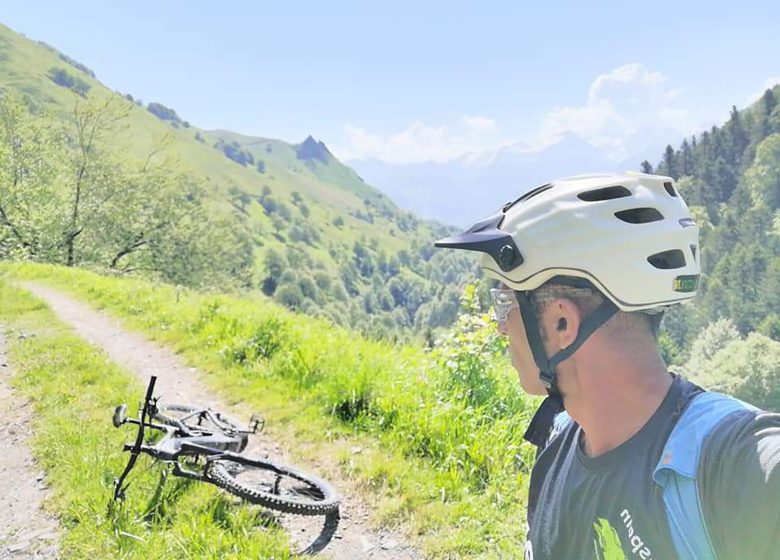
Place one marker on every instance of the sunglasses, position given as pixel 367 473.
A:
pixel 504 301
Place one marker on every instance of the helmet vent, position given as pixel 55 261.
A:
pixel 668 259
pixel 639 215
pixel 670 188
pixel 607 193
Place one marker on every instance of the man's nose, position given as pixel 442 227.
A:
pixel 502 330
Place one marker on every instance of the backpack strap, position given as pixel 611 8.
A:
pixel 677 471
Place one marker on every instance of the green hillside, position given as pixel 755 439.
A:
pixel 321 239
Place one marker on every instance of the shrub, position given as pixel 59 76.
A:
pixel 234 152
pixel 269 337
pixel 747 369
pixel 61 77
pixel 77 64
pixel 163 113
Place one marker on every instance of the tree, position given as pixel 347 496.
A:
pixel 710 341
pixel 76 204
pixel 747 369
pixel 768 104
pixel 645 167
pixel 669 164
pixel 274 264
pixel 90 185
pixel 63 78
pixel 162 112
pixel 239 198
pixel 32 214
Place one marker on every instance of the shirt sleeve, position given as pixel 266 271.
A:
pixel 739 481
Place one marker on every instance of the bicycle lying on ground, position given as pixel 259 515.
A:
pixel 205 445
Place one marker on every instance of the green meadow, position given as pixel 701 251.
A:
pixel 434 439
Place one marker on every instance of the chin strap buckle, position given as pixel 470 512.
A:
pixel 547 378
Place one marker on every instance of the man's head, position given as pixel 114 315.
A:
pixel 585 254
pixel 559 310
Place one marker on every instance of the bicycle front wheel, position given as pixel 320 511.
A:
pixel 273 485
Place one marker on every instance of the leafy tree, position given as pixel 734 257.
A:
pixel 77 64
pixel 63 78
pixel 77 205
pixel 710 341
pixel 747 369
pixel 163 113
pixel 239 198
pixel 31 207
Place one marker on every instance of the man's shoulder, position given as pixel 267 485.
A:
pixel 743 434
pixel 739 471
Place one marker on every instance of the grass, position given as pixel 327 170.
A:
pixel 73 388
pixel 434 441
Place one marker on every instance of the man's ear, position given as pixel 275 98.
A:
pixel 565 322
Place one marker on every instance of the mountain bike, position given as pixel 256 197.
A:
pixel 206 445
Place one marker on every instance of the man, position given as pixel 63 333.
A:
pixel 643 464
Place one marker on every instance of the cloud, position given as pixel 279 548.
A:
pixel 626 111
pixel 770 82
pixel 422 142
pixel 480 123
pixel 622 105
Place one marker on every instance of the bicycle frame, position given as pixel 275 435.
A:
pixel 179 440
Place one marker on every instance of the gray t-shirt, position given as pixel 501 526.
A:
pixel 610 508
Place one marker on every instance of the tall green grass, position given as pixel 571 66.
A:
pixel 435 439
pixel 73 389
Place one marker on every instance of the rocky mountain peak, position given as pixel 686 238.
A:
pixel 311 149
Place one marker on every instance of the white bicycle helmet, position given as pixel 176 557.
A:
pixel 630 235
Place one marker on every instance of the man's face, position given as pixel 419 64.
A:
pixel 520 352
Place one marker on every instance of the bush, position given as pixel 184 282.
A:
pixel 77 64
pixel 234 152
pixel 61 77
pixel 710 341
pixel 749 370
pixel 268 339
pixel 163 113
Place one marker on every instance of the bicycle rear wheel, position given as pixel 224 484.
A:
pixel 273 485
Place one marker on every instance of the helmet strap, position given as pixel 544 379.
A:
pixel 541 425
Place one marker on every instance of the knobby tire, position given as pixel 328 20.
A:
pixel 324 501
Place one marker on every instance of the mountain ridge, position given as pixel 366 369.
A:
pixel 324 241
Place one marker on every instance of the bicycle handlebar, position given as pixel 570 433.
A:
pixel 135 450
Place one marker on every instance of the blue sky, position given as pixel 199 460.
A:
pixel 412 81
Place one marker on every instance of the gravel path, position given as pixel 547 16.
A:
pixel 346 537
pixel 26 531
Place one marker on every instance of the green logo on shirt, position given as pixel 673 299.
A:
pixel 607 543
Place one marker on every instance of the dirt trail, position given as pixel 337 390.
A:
pixel 26 531
pixel 179 383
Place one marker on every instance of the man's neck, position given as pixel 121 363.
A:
pixel 614 407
